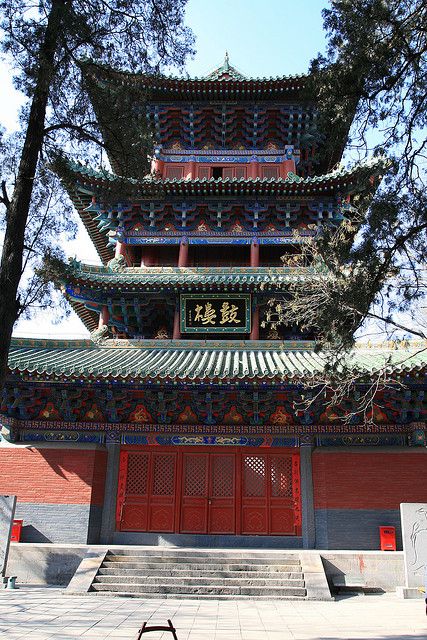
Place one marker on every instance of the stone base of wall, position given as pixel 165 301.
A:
pixel 354 529
pixel 54 564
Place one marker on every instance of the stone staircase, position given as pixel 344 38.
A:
pixel 178 573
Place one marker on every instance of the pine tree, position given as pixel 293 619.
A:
pixel 47 42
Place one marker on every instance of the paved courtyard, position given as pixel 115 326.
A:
pixel 39 614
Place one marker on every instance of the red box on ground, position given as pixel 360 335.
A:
pixel 15 536
pixel 388 538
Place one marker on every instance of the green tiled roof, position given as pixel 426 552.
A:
pixel 195 360
pixel 292 184
pixel 82 183
pixel 212 86
pixel 178 277
pixel 225 72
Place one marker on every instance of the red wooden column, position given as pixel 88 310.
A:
pixel 254 335
pixel 176 324
pixel 286 166
pixel 120 249
pixel 190 170
pixel 254 253
pixel 253 169
pixel 182 262
pixel 157 167
pixel 183 253
pixel 104 317
pixel 148 257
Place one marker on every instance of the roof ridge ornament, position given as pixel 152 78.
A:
pixel 225 72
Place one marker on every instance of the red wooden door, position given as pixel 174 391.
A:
pixel 254 494
pixel 208 493
pixel 194 500
pixel 161 514
pixel 280 490
pixel 270 494
pixel 201 491
pixel 222 494
pixel 146 492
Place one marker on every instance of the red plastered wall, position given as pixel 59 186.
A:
pixel 371 480
pixel 53 476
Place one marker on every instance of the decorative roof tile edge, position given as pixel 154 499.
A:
pixel 123 76
pixel 199 362
pixel 277 345
pixel 375 163
pixel 77 268
pixel 181 345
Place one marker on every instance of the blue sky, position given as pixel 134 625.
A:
pixel 270 38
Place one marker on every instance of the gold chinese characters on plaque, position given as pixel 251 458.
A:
pixel 216 313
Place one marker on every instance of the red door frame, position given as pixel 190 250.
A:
pixel 238 452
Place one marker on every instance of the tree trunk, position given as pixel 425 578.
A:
pixel 18 207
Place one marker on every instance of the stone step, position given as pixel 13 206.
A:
pixel 177 573
pixel 203 560
pixel 170 552
pixel 187 581
pixel 173 566
pixel 220 573
pixel 162 589
pixel 188 596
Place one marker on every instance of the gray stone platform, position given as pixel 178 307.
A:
pixel 54 564
pixel 47 614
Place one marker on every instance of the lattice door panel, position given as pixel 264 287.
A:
pixel 281 477
pixel 195 475
pixel 254 494
pixel 270 494
pixel 194 501
pixel 137 474
pixel 254 476
pixel 147 492
pixel 222 494
pixel 162 494
pixel 163 475
pixel 222 476
pixel 281 501
pixel 134 480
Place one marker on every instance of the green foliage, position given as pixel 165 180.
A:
pixel 375 69
pixel 46 43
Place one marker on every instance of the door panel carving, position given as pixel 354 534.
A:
pixel 202 491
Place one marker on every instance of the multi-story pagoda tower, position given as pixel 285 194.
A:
pixel 182 414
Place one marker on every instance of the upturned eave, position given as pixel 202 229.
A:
pixel 209 361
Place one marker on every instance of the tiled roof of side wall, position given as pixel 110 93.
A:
pixel 186 88
pixel 81 200
pixel 293 184
pixel 196 360
pixel 81 181
pixel 135 277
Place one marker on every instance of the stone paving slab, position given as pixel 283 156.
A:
pixel 49 614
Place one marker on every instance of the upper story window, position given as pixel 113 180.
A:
pixel 270 171
pixel 217 172
pixel 174 171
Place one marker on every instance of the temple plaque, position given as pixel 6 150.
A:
pixel 216 313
